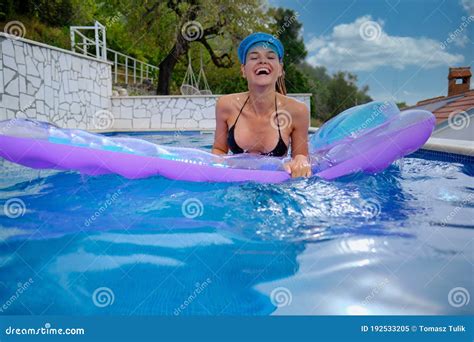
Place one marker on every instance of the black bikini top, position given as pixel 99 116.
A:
pixel 280 149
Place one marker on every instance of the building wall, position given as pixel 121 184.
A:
pixel 42 82
pixel 170 112
pixel 38 81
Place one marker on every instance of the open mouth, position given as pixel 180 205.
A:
pixel 263 71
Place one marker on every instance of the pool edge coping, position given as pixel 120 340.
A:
pixel 462 147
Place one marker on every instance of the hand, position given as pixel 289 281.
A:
pixel 299 166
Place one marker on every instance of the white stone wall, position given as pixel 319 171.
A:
pixel 169 112
pixel 41 82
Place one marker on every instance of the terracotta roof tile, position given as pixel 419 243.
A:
pixel 462 103
pixel 434 99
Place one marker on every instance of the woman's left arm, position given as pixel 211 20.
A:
pixel 299 166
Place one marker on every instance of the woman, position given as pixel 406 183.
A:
pixel 267 119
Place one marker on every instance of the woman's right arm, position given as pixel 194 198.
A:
pixel 220 135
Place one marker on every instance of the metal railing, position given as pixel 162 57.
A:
pixel 125 69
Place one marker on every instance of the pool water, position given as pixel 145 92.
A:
pixel 399 242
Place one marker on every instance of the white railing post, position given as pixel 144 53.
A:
pixel 134 70
pixel 73 40
pixel 84 46
pixel 97 42
pixel 104 44
pixel 126 70
pixel 115 66
pixel 101 51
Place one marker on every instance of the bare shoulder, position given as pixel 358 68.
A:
pixel 227 103
pixel 296 108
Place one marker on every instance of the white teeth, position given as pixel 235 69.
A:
pixel 262 69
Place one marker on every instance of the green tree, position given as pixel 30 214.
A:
pixel 286 27
pixel 344 93
pixel 153 31
pixel 401 105
pixel 177 25
pixel 52 12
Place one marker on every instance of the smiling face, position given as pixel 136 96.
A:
pixel 262 66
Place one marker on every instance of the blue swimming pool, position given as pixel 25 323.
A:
pixel 399 242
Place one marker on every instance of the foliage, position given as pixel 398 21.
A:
pixel 343 93
pixel 401 105
pixel 148 30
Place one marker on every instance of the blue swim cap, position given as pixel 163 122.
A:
pixel 260 37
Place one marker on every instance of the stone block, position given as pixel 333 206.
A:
pixel 35 81
pixel 37 54
pixel 8 75
pixel 26 101
pixel 12 87
pixel 141 123
pixel 49 96
pixel 10 102
pixel 19 56
pixel 30 67
pixel 156 121
pixel 9 62
pixel 126 112
pixel 140 113
pixel 122 123
pixel 3 113
pixel 186 123
pixel 207 124
pixel 75 108
pixel 7 48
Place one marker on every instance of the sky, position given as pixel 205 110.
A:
pixel 401 49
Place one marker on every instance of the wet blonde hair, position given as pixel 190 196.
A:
pixel 280 84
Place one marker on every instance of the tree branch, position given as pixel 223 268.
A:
pixel 174 5
pixel 223 61
pixel 151 9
